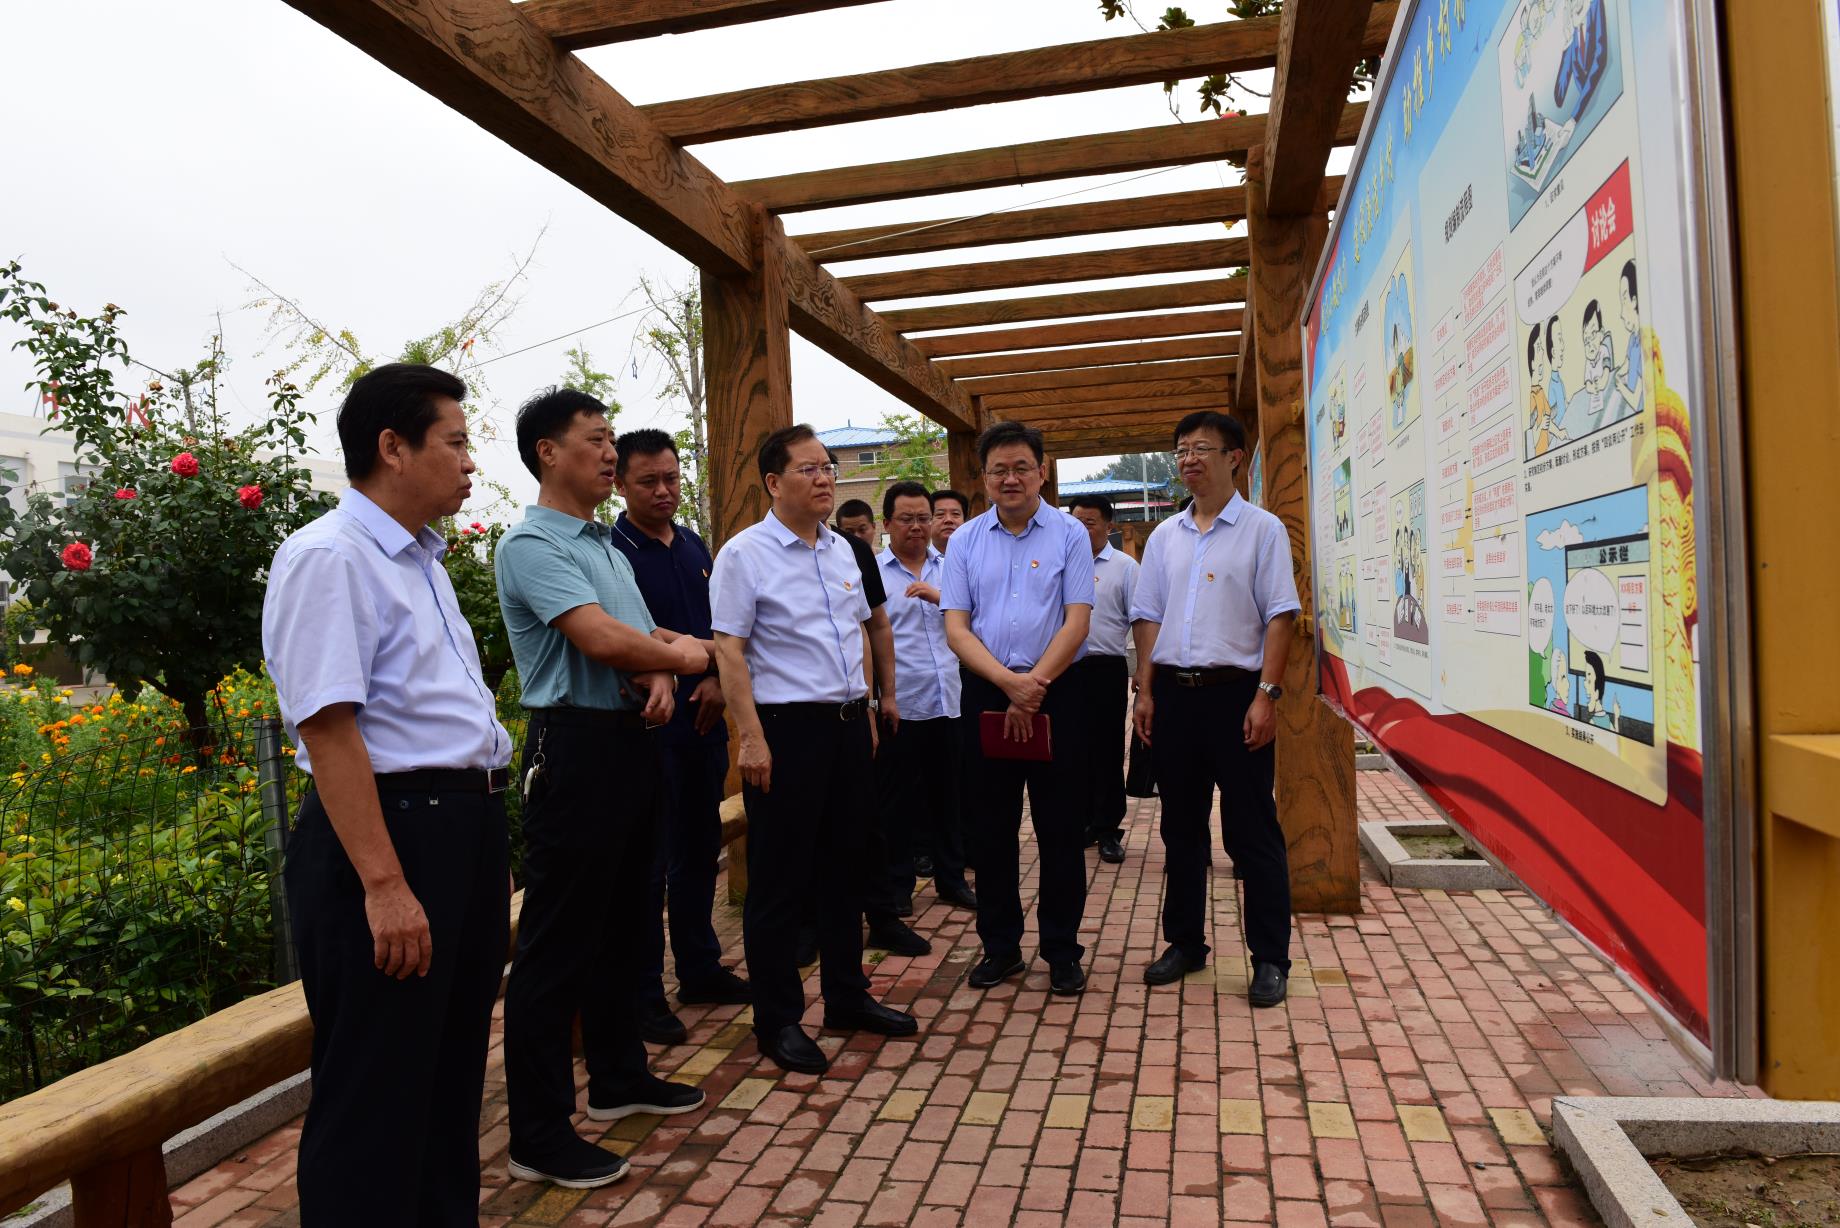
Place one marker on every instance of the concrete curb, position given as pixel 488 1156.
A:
pixel 1608 1140
pixel 200 1148
pixel 1401 869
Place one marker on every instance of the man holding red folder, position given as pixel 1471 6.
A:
pixel 1018 597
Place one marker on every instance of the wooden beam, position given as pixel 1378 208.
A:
pixel 1225 205
pixel 1065 400
pixel 1219 345
pixel 1246 379
pixel 1078 303
pixel 1050 417
pixel 1319 44
pixel 1211 255
pixel 1315 755
pixel 1102 443
pixel 965 473
pixel 747 369
pixel 836 321
pixel 490 62
pixel 1125 328
pixel 1099 154
pixel 1081 377
pixel 1153 414
pixel 487 60
pixel 1107 63
pixel 594 23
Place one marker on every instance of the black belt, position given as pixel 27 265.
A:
pixel 600 718
pixel 1215 676
pixel 446 780
pixel 849 710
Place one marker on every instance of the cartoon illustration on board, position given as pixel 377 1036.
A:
pixel 1559 75
pixel 1401 359
pixel 1343 495
pixel 1542 430
pixel 1409 596
pixel 1346 594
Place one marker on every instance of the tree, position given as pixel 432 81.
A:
pixel 1154 467
pixel 671 332
pixel 153 572
pixel 913 442
pixel 1218 93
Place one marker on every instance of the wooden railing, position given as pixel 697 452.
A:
pixel 103 1129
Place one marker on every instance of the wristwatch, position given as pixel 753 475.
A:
pixel 1272 690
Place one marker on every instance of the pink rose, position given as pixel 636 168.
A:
pixel 127 492
pixel 249 496
pixel 77 556
pixel 185 465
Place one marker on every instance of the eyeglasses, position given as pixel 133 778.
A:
pixel 909 522
pixel 1004 474
pixel 810 472
pixel 1200 452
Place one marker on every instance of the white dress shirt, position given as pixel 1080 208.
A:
pixel 800 609
pixel 925 671
pixel 1114 584
pixel 1214 592
pixel 360 612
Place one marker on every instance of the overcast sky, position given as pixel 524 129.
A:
pixel 153 147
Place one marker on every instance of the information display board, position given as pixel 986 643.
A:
pixel 1502 389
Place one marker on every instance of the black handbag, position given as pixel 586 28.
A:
pixel 1140 776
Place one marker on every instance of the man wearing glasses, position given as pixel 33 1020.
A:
pixel 1018 598
pixel 1212 618
pixel 917 765
pixel 788 616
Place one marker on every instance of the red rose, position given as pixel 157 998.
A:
pixel 127 492
pixel 249 496
pixel 77 556
pixel 477 527
pixel 185 465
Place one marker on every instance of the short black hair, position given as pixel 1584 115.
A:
pixel 1552 326
pixel 648 441
pixel 1225 425
pixel 1001 434
pixel 1098 503
pixel 1592 309
pixel 902 490
pixel 855 507
pixel 398 396
pixel 946 492
pixel 548 415
pixel 1595 664
pixel 1629 278
pixel 776 449
pixel 1533 345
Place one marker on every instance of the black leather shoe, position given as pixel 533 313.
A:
pixel 897 939
pixel 923 867
pixel 993 969
pixel 807 953
pixel 1067 979
pixel 1172 965
pixel 792 1050
pixel 1268 985
pixel 661 1027
pixel 1111 850
pixel 959 894
pixel 724 988
pixel 871 1016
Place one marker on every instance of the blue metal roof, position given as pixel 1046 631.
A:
pixel 1108 486
pixel 855 437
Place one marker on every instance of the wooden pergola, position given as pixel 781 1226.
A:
pixel 1111 385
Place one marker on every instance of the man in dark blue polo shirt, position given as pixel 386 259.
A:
pixel 672 566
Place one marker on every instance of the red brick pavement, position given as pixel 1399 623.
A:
pixel 1407 1083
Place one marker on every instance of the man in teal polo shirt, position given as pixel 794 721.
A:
pixel 597 678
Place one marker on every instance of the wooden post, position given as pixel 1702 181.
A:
pixel 128 1193
pixel 1315 777
pixel 1051 484
pixel 966 474
pixel 747 364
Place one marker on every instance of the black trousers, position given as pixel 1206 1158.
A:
pixel 1103 685
pixel 589 824
pixel 916 803
pixel 683 875
pixel 1199 744
pixel 993 791
pixel 807 850
pixel 392 1133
